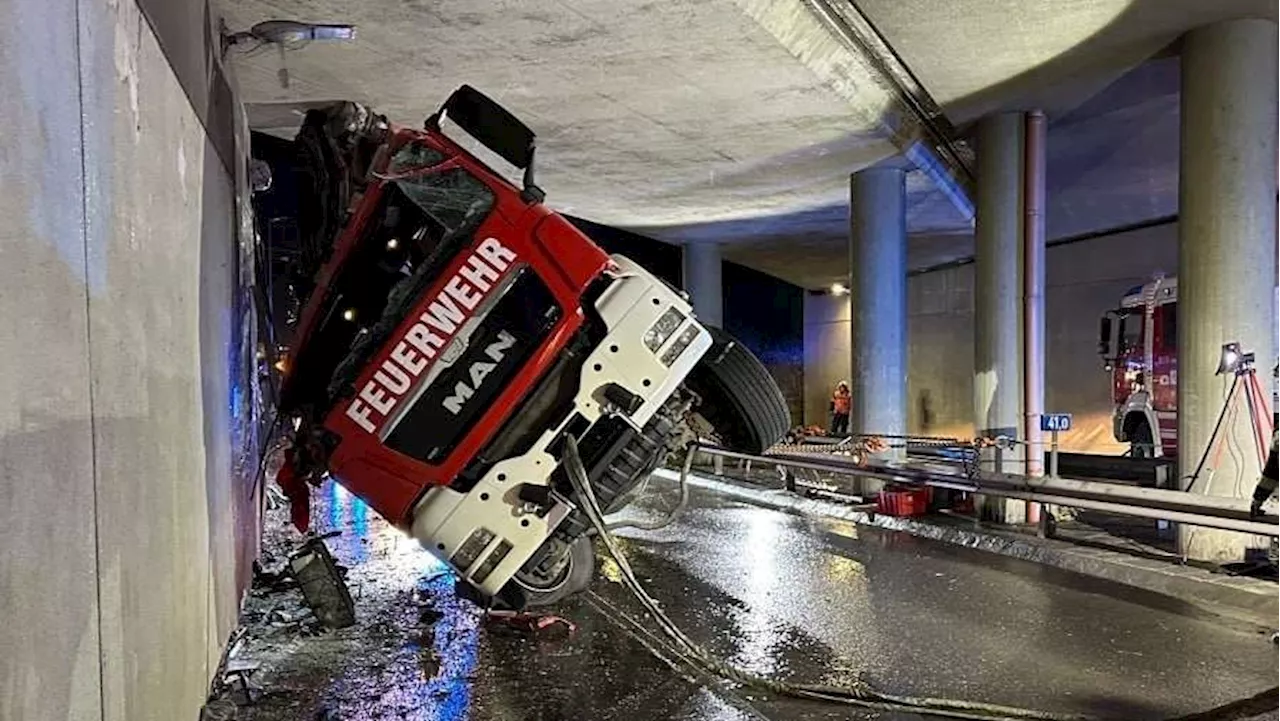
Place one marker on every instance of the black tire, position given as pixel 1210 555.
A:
pixel 570 578
pixel 739 398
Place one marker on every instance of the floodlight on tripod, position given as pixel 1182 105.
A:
pixel 1233 360
pixel 1240 365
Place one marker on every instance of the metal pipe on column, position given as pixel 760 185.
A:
pixel 1033 269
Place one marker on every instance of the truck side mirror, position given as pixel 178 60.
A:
pixel 1104 337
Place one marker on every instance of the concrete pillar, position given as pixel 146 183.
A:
pixel 998 287
pixel 878 299
pixel 1226 251
pixel 702 282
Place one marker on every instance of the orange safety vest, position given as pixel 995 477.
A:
pixel 840 402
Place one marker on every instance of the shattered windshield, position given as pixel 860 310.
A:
pixel 451 197
pixel 414 156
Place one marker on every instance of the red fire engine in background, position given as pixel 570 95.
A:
pixel 1139 343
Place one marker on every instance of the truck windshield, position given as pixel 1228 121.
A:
pixel 424 217
pixel 450 196
pixel 1130 333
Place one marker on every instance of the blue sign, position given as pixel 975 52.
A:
pixel 1055 422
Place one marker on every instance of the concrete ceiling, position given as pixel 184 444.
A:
pixel 647 113
pixel 738 121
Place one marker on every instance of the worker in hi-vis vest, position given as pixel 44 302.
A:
pixel 841 402
pixel 1267 482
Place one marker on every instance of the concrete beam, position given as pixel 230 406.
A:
pixel 838 44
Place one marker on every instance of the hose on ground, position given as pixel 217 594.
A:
pixel 665 521
pixel 688 650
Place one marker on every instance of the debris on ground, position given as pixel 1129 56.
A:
pixel 272 581
pixel 406 648
pixel 418 652
pixel 323 585
pixel 531 623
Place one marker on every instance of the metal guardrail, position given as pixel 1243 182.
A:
pixel 963 472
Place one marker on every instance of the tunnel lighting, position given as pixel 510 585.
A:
pixel 292 32
pixel 839 289
pixel 333 32
pixel 393 244
pixel 349 314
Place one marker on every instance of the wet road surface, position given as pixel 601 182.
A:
pixel 925 618
pixel 783 596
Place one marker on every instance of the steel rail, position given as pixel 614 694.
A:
pixel 1231 514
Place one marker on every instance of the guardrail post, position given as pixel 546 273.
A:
pixel 1046 527
pixel 1053 454
pixel 1047 524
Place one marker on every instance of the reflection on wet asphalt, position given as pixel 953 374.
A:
pixel 782 596
pixel 419 653
pixel 925 618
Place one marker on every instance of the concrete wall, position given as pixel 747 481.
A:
pixel 48 566
pixel 120 512
pixel 766 314
pixel 827 357
pixel 940 353
pixel 1083 280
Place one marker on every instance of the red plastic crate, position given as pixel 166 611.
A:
pixel 895 501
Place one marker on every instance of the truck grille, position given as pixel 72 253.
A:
pixel 461 393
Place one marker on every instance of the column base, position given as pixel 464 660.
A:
pixel 1215 546
pixel 1000 510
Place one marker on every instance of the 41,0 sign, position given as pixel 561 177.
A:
pixel 1055 422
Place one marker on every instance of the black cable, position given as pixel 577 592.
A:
pixel 1204 457
pixel 691 652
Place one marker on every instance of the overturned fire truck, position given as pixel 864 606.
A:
pixel 456 331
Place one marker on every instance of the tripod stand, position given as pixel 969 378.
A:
pixel 1245 380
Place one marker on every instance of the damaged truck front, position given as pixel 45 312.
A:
pixel 456 331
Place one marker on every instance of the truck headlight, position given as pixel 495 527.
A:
pixel 662 329
pixel 678 347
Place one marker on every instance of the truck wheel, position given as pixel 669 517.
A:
pixel 740 400
pixel 550 583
